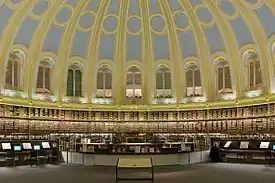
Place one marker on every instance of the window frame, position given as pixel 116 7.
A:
pixel 44 65
pixel 75 68
pixel 193 67
pixel 14 61
pixel 135 88
pixel 223 65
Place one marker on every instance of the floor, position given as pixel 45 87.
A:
pixel 200 173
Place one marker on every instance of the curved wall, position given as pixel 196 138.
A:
pixel 89 35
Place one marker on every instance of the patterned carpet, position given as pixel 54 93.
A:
pixel 201 173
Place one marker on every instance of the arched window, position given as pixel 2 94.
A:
pixel 43 84
pixel 223 77
pixel 193 80
pixel 13 71
pixel 163 83
pixel 104 82
pixel 253 65
pixel 74 82
pixel 133 83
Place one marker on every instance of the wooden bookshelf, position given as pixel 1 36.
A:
pixel 258 119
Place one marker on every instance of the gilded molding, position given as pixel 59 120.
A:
pixel 148 58
pixel 120 53
pixel 93 49
pixel 175 53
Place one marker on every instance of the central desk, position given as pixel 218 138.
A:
pixel 134 164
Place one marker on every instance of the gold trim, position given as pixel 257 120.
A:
pixel 93 50
pixel 120 54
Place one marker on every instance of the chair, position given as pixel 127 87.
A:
pixel 42 155
pixel 54 158
pixel 10 158
pixel 33 158
pixel 268 158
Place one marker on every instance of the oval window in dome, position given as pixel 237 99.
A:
pixel 87 20
pixel 110 24
pixel 134 25
pixel 181 20
pixel 158 23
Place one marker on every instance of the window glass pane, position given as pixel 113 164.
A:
pixel 47 78
pixel 16 74
pixel 189 78
pixel 130 79
pixel 108 80
pixel 227 78
pixel 78 83
pixel 167 79
pixel 100 80
pixel 159 80
pixel 251 77
pixel 220 78
pixel 39 83
pixel 197 77
pixel 137 78
pixel 70 84
pixel 258 73
pixel 9 73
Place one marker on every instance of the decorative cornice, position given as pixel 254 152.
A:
pixel 171 107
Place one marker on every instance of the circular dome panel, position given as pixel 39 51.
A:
pixel 181 20
pixel 86 21
pixel 110 24
pixel 64 15
pixel 158 23
pixel 40 7
pixel 134 25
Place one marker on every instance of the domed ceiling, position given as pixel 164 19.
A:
pixel 152 51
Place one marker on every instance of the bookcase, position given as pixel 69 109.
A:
pixel 247 120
